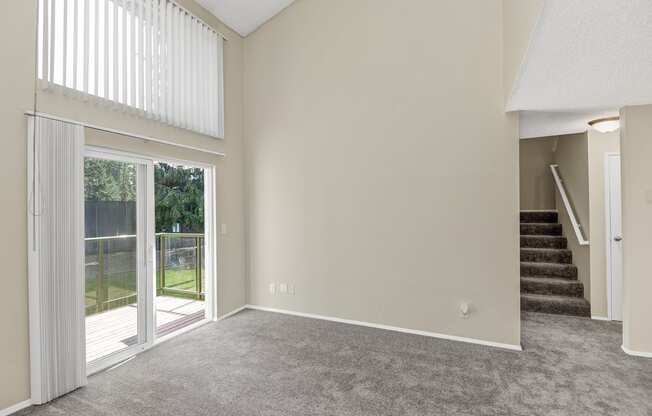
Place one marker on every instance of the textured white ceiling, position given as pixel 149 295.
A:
pixel 245 16
pixel 588 54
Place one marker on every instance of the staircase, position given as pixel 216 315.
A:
pixel 548 276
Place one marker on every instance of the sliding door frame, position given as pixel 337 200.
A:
pixel 211 254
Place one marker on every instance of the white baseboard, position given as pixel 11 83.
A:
pixel 230 314
pixel 600 318
pixel 15 408
pixel 636 353
pixel 512 347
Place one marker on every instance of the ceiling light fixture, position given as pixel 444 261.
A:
pixel 606 125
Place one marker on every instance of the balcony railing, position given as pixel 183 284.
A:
pixel 111 263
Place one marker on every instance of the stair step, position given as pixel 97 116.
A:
pixel 540 229
pixel 543 241
pixel 555 286
pixel 560 305
pixel 568 271
pixel 546 255
pixel 539 216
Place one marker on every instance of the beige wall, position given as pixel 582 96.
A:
pixel 636 154
pixel 536 183
pixel 572 156
pixel 363 191
pixel 599 145
pixel 16 83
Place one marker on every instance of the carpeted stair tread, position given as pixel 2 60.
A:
pixel 539 216
pixel 568 271
pixel 554 286
pixel 529 228
pixel 543 241
pixel 561 305
pixel 546 255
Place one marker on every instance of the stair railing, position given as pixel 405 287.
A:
pixel 569 208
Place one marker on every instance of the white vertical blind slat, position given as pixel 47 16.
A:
pixel 105 55
pixel 86 45
pixel 96 56
pixel 65 43
pixel 219 114
pixel 148 56
pixel 115 54
pixel 45 39
pixel 124 61
pixel 155 59
pixel 75 49
pixel 141 48
pixel 132 55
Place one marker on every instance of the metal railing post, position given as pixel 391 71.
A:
pixel 100 294
pixel 198 287
pixel 162 263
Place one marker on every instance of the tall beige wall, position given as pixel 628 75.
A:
pixel 572 156
pixel 17 36
pixel 382 169
pixel 17 46
pixel 599 145
pixel 636 154
pixel 537 189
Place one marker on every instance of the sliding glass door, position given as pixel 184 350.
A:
pixel 149 270
pixel 118 270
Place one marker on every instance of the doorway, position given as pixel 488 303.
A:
pixel 148 250
pixel 614 237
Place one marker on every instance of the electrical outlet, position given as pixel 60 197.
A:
pixel 283 288
pixel 272 288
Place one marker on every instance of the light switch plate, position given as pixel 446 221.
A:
pixel 283 288
pixel 272 288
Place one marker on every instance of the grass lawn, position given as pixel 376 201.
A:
pixel 121 285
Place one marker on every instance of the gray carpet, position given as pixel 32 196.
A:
pixel 258 363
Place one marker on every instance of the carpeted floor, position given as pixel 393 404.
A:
pixel 258 363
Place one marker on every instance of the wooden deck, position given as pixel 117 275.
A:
pixel 115 330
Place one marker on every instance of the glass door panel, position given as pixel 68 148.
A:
pixel 116 272
pixel 180 283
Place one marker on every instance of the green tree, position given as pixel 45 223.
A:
pixel 108 180
pixel 179 198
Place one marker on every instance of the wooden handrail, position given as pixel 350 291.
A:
pixel 569 209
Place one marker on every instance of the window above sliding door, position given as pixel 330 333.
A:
pixel 149 57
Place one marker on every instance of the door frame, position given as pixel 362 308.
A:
pixel 211 248
pixel 608 237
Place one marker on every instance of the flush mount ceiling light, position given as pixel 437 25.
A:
pixel 606 125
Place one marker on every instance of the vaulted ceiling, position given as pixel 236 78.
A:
pixel 245 16
pixel 586 58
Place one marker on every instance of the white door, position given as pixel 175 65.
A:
pixel 614 237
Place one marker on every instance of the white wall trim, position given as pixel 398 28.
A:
pixel 636 353
pixel 512 347
pixel 15 408
pixel 230 314
pixel 600 318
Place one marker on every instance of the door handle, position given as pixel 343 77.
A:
pixel 618 239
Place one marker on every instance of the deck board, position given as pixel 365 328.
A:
pixel 115 330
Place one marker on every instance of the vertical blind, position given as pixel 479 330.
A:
pixel 149 57
pixel 56 258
